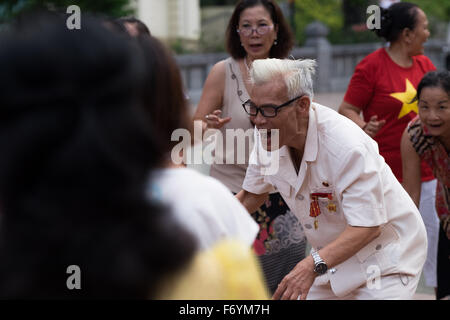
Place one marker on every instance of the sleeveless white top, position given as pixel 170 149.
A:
pixel 235 94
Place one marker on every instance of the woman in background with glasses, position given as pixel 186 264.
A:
pixel 256 30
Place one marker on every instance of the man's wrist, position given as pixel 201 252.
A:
pixel 320 266
pixel 310 265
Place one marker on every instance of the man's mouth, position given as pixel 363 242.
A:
pixel 265 134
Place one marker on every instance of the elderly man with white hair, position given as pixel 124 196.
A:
pixel 368 239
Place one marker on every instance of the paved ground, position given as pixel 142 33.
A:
pixel 423 292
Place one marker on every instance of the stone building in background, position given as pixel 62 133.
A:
pixel 173 21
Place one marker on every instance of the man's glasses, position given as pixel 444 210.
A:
pixel 268 111
pixel 247 30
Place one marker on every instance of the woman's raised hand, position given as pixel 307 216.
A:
pixel 213 120
pixel 373 126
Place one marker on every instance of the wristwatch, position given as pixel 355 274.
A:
pixel 320 266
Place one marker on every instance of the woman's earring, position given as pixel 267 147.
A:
pixel 275 42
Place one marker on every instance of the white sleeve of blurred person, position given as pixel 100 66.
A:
pixel 204 206
pixel 387 3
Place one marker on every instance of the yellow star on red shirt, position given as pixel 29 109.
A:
pixel 406 98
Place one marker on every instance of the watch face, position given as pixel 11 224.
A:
pixel 321 268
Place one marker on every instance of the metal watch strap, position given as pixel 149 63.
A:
pixel 316 257
pixel 319 264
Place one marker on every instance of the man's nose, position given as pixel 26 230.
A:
pixel 259 119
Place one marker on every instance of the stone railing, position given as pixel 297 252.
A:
pixel 336 63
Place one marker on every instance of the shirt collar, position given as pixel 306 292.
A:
pixel 311 144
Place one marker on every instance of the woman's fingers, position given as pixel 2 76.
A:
pixel 214 116
pixel 224 120
pixel 211 117
pixel 373 126
pixel 214 121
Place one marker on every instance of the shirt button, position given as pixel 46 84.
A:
pixel 300 197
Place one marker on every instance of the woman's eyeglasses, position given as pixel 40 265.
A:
pixel 246 31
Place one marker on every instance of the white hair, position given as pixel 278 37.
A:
pixel 297 74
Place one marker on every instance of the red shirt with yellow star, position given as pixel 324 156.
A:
pixel 381 87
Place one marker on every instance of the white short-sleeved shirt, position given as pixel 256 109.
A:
pixel 341 164
pixel 203 205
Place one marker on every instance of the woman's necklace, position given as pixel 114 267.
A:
pixel 246 65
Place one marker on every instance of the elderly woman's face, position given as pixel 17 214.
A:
pixel 434 111
pixel 257 32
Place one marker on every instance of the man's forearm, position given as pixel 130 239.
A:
pixel 251 201
pixel 348 244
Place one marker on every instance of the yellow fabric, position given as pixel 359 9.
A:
pixel 228 271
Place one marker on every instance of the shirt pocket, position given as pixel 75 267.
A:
pixel 326 199
pixel 387 236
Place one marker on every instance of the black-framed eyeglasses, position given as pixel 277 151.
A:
pixel 268 111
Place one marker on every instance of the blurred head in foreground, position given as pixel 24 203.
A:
pixel 134 27
pixel 76 149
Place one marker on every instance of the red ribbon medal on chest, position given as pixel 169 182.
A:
pixel 314 209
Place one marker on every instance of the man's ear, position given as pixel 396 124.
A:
pixel 304 103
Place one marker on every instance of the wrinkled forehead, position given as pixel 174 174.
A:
pixel 272 91
pixel 434 94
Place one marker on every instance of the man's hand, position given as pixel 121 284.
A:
pixel 297 282
pixel 251 201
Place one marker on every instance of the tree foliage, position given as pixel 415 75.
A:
pixel 326 11
pixel 341 15
pixel 435 9
pixel 113 8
